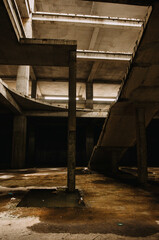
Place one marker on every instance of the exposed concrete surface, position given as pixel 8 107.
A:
pixel 108 38
pixel 141 86
pixel 115 210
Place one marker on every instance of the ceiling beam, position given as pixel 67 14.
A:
pixel 92 8
pixel 15 18
pixel 89 83
pixel 93 38
pixel 101 55
pixel 27 51
pixel 129 2
pixel 88 114
pixel 24 8
pixel 49 79
pixel 93 71
pixel 95 64
pixel 89 20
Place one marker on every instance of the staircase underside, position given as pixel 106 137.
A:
pixel 141 89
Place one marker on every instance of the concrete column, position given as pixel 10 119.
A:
pixel 71 157
pixel 22 82
pixel 89 141
pixel 89 95
pixel 23 73
pixel 32 5
pixel 19 142
pixel 31 147
pixel 141 145
pixel 33 88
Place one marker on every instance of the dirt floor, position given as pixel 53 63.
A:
pixel 114 209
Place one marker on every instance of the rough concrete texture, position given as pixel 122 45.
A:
pixel 115 209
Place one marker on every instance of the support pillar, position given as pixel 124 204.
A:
pixel 89 141
pixel 22 82
pixel 19 142
pixel 23 73
pixel 31 147
pixel 33 89
pixel 141 145
pixel 71 157
pixel 89 95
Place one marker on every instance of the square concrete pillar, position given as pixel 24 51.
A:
pixel 71 154
pixel 23 73
pixel 141 145
pixel 34 89
pixel 89 95
pixel 19 142
pixel 22 82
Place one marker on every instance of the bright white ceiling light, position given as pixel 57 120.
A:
pixel 77 98
pixel 57 98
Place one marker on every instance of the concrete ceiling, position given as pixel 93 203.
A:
pixel 109 74
pixel 113 39
pixel 91 8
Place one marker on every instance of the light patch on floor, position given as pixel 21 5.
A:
pixel 13 227
pixel 35 174
pixel 6 176
pixel 8 189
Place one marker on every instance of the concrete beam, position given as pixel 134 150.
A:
pixel 7 99
pixel 102 55
pixel 94 38
pixel 95 21
pixel 129 2
pixel 26 51
pixel 89 85
pixel 93 71
pixel 24 8
pixel 79 114
pixel 15 18
pixel 48 79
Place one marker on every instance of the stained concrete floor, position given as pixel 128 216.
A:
pixel 115 209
